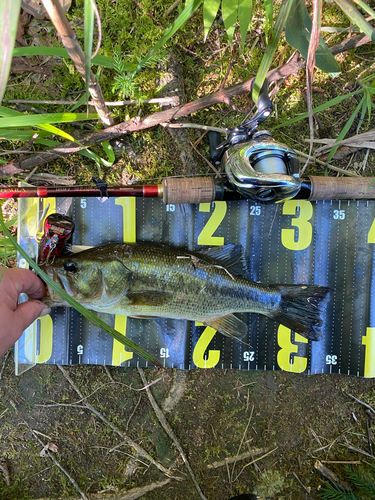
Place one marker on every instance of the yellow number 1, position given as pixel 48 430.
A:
pixel 119 353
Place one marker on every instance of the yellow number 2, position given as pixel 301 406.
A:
pixel 206 236
pixel 201 346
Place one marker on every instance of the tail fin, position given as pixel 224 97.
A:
pixel 300 309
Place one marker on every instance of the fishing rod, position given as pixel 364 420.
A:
pixel 252 166
pixel 174 190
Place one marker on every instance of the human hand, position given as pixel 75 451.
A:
pixel 14 317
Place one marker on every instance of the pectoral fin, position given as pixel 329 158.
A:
pixel 148 298
pixel 228 325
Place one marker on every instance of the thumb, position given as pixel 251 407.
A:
pixel 27 312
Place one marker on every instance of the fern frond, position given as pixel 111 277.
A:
pixel 333 492
pixel 362 482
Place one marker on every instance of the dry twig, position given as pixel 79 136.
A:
pixel 362 403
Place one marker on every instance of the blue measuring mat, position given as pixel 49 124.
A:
pixel 328 243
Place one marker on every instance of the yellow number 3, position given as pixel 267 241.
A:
pixel 299 238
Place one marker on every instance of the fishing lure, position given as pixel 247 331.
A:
pixel 58 231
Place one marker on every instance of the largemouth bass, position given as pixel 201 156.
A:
pixel 143 280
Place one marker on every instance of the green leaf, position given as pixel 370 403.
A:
pixel 271 47
pixel 185 15
pixel 10 11
pixel 85 312
pixel 245 13
pixel 210 8
pixel 37 120
pixel 89 36
pixel 297 34
pixel 229 11
pixel 110 153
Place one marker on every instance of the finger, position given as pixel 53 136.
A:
pixel 27 312
pixel 25 281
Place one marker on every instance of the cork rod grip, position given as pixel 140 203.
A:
pixel 188 190
pixel 342 188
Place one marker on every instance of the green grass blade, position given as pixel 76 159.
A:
pixel 365 7
pixel 271 48
pixel 11 222
pixel 357 18
pixel 85 312
pixel 106 62
pixel 57 131
pixel 38 120
pixel 245 13
pixel 10 11
pixel 268 5
pixel 185 15
pixel 21 135
pixel 229 10
pixel 210 8
pixel 51 129
pixel 89 37
pixel 345 130
pixel 80 101
pixel 322 107
pixel 47 142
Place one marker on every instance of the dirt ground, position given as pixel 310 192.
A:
pixel 241 432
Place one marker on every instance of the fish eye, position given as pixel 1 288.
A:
pixel 71 267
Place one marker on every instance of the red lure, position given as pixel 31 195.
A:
pixel 58 231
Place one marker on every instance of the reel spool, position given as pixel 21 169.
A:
pixel 262 169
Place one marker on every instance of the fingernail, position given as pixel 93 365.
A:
pixel 45 311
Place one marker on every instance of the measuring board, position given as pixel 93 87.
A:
pixel 328 243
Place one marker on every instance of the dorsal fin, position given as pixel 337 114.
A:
pixel 232 257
